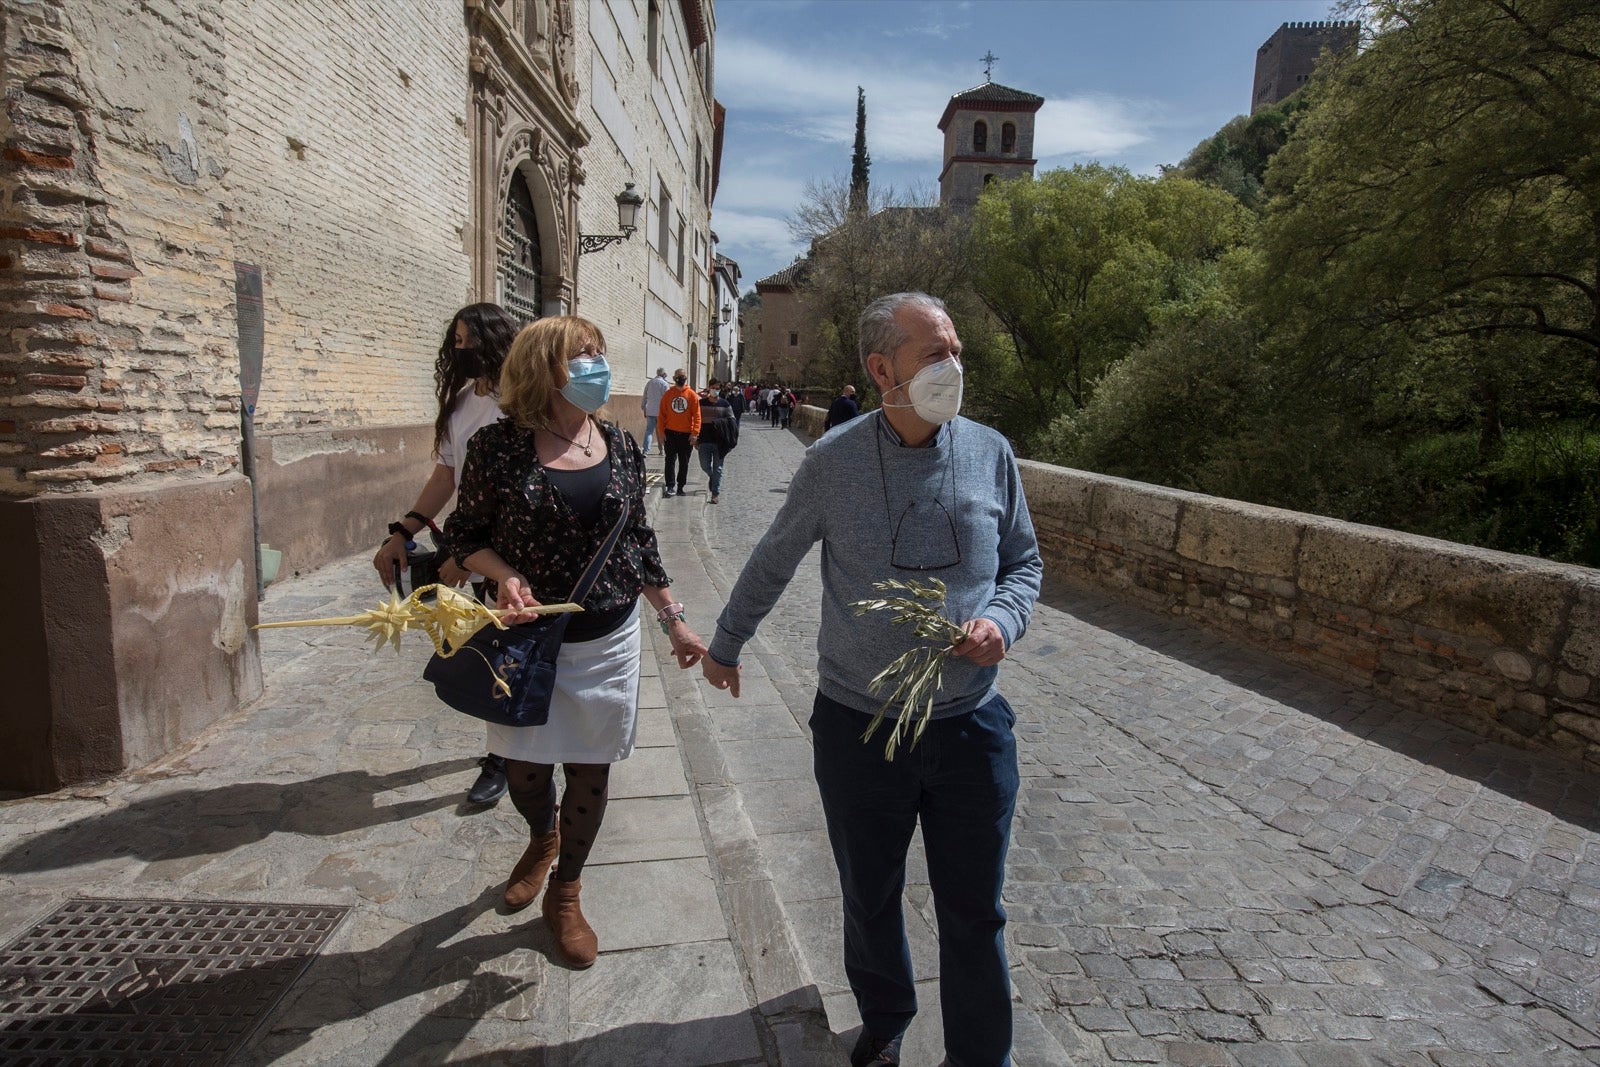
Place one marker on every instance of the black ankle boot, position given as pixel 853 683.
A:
pixel 491 783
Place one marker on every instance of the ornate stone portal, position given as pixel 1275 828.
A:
pixel 525 130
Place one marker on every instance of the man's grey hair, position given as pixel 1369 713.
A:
pixel 878 332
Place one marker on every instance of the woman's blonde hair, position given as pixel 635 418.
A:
pixel 536 367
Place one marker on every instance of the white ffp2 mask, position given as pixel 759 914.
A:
pixel 935 392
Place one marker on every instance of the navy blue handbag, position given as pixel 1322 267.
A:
pixel 522 656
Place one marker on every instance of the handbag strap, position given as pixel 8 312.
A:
pixel 591 574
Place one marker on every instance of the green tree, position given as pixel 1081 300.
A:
pixel 860 161
pixel 1235 158
pixel 1446 183
pixel 1073 267
pixel 899 242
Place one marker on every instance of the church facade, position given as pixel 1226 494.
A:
pixel 231 238
pixel 988 136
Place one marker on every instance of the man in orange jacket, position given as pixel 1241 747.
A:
pixel 679 423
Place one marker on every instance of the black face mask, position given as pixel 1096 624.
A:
pixel 468 360
pixel 680 380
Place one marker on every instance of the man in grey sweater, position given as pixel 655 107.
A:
pixel 912 492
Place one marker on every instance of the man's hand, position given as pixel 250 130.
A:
pixel 694 439
pixel 985 644
pixel 719 676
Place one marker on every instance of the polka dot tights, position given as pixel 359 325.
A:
pixel 533 792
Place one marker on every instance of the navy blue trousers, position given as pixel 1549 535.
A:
pixel 960 782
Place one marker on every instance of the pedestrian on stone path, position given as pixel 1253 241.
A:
pixel 680 430
pixel 541 490
pixel 650 403
pixel 842 410
pixel 719 435
pixel 909 492
pixel 466 374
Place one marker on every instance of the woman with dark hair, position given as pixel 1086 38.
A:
pixel 466 378
pixel 541 492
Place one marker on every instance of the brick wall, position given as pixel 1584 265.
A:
pixel 1506 646
pixel 350 179
pixel 117 359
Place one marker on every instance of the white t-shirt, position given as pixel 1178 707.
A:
pixel 472 413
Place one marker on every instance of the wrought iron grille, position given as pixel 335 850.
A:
pixel 521 266
pixel 151 982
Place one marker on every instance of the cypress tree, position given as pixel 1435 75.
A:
pixel 860 162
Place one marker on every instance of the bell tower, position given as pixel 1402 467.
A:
pixel 988 137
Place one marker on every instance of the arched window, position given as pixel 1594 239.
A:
pixel 1008 137
pixel 521 265
pixel 980 136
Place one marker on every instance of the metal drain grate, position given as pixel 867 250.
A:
pixel 151 981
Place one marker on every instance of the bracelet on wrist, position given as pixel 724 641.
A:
pixel 667 611
pixel 399 528
pixel 677 616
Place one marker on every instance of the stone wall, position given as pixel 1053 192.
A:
pixel 1506 646
pixel 349 177
pixel 649 126
pixel 129 579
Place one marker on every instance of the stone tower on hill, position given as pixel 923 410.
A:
pixel 988 136
pixel 1285 62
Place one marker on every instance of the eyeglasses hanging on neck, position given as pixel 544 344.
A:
pixel 937 530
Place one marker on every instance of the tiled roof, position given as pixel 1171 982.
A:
pixel 789 275
pixel 992 93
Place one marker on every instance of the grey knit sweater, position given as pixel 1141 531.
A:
pixel 857 486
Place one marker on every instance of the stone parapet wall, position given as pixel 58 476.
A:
pixel 1506 646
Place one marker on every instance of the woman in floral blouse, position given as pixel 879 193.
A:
pixel 540 491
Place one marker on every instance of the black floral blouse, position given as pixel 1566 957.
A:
pixel 505 502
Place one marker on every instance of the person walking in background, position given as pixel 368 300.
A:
pixel 734 395
pixel 466 374
pixel 651 405
pixel 786 402
pixel 842 410
pixel 719 434
pixel 541 491
pixel 910 492
pixel 679 420
pixel 773 413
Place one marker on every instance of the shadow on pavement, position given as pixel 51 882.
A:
pixel 459 982
pixel 192 822
pixel 1541 779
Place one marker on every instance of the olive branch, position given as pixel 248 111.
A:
pixel 917 675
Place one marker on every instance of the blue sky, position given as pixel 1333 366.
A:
pixel 1135 83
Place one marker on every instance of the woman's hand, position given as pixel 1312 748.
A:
pixel 393 552
pixel 512 596
pixel 452 575
pixel 686 644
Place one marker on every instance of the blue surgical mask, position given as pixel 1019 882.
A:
pixel 588 383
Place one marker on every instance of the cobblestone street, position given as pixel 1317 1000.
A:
pixel 1220 859
pixel 1217 859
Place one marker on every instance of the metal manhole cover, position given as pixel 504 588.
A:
pixel 151 981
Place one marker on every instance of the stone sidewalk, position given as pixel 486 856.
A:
pixel 1217 859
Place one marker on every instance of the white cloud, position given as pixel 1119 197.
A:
pixel 1089 126
pixel 813 99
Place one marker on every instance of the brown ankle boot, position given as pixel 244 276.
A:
pixel 529 873
pixel 574 936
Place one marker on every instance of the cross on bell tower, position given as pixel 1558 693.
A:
pixel 988 59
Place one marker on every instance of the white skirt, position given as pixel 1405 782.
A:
pixel 594 711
